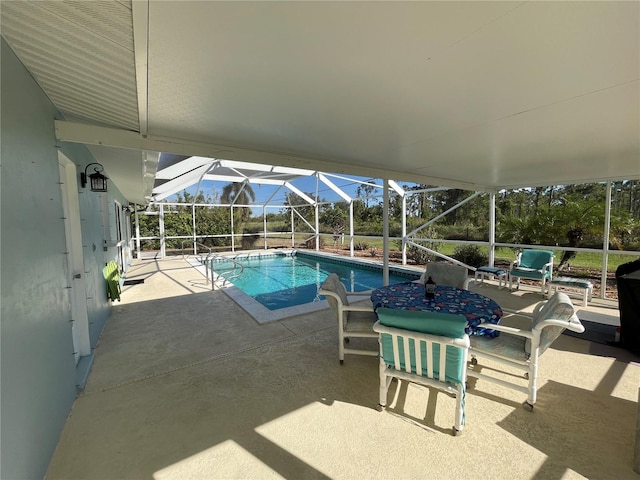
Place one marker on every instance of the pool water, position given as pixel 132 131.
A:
pixel 285 280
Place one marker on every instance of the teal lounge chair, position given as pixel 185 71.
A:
pixel 534 265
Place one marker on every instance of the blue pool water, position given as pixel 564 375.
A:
pixel 280 281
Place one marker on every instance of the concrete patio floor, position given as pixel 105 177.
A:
pixel 186 384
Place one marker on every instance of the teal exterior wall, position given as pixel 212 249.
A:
pixel 38 371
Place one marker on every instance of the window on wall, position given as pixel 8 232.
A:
pixel 118 218
pixel 119 243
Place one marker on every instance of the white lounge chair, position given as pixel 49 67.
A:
pixel 446 274
pixel 353 320
pixel 521 348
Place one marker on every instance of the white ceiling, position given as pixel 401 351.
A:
pixel 479 95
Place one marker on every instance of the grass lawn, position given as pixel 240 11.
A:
pixel 583 260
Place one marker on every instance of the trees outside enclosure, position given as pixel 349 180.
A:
pixel 238 194
pixel 563 215
pixel 210 221
pixel 302 212
pixel 571 215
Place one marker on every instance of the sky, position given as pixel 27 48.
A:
pixel 177 166
pixel 265 193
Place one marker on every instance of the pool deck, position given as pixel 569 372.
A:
pixel 185 384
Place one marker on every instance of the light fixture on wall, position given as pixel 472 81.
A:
pixel 97 180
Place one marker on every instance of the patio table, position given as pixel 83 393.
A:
pixel 410 296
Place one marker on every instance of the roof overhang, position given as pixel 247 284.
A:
pixel 475 95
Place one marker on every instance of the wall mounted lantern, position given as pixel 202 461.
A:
pixel 97 180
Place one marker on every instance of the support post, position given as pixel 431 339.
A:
pixel 264 221
pixel 404 229
pixel 161 227
pixel 351 252
pixel 492 228
pixel 317 225
pixel 385 232
pixel 233 238
pixel 605 242
pixel 195 234
pixel 293 234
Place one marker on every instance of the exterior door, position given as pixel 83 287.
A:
pixel 75 259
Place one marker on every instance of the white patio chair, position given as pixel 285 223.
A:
pixel 353 320
pixel 521 348
pixel 426 348
pixel 447 274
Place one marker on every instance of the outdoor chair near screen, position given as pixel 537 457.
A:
pixel 353 320
pixel 426 348
pixel 534 265
pixel 521 348
pixel 446 274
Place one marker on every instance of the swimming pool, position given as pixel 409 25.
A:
pixel 281 280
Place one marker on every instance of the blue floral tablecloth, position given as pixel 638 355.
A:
pixel 410 296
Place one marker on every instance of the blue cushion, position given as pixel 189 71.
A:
pixel 434 323
pixel 492 270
